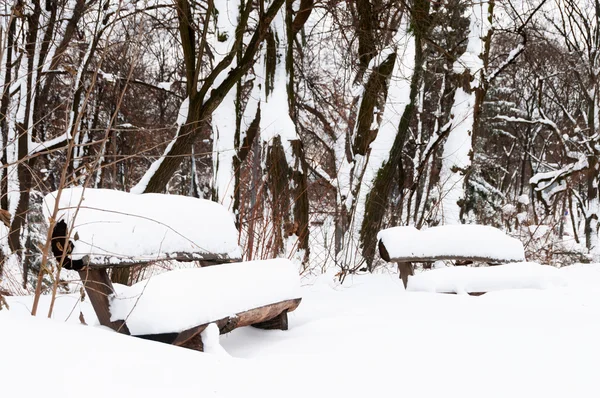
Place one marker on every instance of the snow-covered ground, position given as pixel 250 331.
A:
pixel 365 338
pixel 462 279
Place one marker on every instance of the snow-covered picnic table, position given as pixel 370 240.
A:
pixel 98 229
pixel 465 242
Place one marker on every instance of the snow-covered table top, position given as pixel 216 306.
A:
pixel 449 242
pixel 111 227
pixel 460 279
pixel 181 299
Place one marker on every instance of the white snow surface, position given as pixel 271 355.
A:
pixel 165 85
pixel 211 341
pixel 514 343
pixel 114 226
pixel 461 279
pixel 464 240
pixel 181 299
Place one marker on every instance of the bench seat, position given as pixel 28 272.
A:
pixel 480 280
pixel 179 300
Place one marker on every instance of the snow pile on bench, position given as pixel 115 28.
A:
pixel 469 242
pixel 461 279
pixel 114 227
pixel 181 299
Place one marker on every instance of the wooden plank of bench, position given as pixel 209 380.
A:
pixel 204 259
pixel 270 316
pixel 431 259
pixel 59 242
pixel 98 288
pixel 260 317
pixel 383 252
pixel 279 322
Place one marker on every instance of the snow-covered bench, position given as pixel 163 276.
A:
pixel 481 243
pixel 98 229
pixel 177 306
pixel 108 228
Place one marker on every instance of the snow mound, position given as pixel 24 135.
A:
pixel 131 367
pixel 460 279
pixel 211 341
pixel 181 299
pixel 113 227
pixel 451 242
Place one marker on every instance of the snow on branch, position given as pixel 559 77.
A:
pixel 512 56
pixel 543 121
pixel 182 115
pixel 551 177
pixel 49 145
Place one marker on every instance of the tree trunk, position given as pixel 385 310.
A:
pixel 378 197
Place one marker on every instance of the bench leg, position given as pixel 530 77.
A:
pixel 98 287
pixel 279 322
pixel 195 343
pixel 405 270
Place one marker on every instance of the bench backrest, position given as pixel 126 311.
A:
pixel 449 242
pixel 106 228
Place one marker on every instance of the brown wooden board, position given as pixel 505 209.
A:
pixel 430 259
pixel 256 316
pixel 280 322
pixel 98 288
pixel 203 258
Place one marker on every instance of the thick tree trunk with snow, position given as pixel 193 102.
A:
pixel 23 125
pixel 378 196
pixel 366 145
pixel 284 164
pixel 464 116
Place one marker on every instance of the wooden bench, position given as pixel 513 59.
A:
pixel 97 230
pixel 465 243
pixel 176 306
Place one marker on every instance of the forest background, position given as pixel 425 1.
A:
pixel 316 123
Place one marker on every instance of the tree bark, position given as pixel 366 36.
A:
pixel 378 198
pixel 200 109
